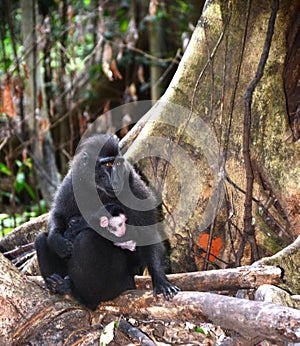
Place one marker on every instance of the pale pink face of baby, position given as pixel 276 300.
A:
pixel 115 225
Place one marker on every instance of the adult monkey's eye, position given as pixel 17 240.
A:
pixel 119 163
pixel 109 164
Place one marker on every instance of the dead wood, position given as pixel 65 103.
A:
pixel 18 251
pixel 213 280
pixel 24 234
pixel 251 319
pixel 31 314
pixel 135 333
pixel 220 280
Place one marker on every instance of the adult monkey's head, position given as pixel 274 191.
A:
pixel 101 154
pixel 111 168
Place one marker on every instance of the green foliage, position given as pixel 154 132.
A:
pixel 6 46
pixel 69 47
pixel 200 330
pixel 123 25
pixel 20 182
pixel 4 169
pixel 20 185
pixel 8 222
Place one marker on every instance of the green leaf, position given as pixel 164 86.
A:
pixel 29 190
pixel 3 216
pixel 18 219
pixel 20 177
pixel 123 24
pixel 9 223
pixel 40 208
pixel 28 162
pixel 18 186
pixel 4 169
pixel 121 12
pixel 7 230
pixel 19 183
pixel 19 163
pixel 183 6
pixel 201 330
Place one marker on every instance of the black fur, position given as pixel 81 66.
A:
pixel 96 269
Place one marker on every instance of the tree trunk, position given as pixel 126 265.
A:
pixel 200 167
pixel 36 108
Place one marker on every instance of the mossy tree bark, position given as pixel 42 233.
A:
pixel 218 66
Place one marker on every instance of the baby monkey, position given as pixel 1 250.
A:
pixel 115 224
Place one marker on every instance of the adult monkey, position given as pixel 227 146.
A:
pixel 109 172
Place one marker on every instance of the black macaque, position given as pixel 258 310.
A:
pixel 73 257
pixel 102 274
pixel 114 222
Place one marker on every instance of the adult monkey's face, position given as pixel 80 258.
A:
pixel 99 163
pixel 110 174
pixel 110 168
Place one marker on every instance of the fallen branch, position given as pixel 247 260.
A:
pixel 23 259
pixel 18 251
pixel 36 313
pixel 213 280
pixel 135 333
pixel 24 234
pixel 251 319
pixel 220 280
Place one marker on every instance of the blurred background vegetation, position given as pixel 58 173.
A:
pixel 62 65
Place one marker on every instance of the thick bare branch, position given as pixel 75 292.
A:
pixel 222 279
pixel 36 315
pixel 24 234
pixel 251 319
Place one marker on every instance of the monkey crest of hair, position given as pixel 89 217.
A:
pixel 85 260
